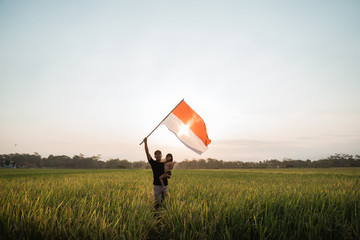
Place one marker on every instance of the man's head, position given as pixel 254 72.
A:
pixel 158 155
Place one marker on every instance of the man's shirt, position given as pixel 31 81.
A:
pixel 158 170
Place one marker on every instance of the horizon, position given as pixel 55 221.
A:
pixel 193 159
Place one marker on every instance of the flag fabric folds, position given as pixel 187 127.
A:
pixel 189 127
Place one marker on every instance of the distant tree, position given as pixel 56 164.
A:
pixel 114 163
pixel 140 164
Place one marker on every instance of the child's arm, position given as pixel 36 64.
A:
pixel 171 165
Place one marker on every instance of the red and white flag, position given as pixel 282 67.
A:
pixel 189 127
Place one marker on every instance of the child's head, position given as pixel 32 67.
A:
pixel 169 157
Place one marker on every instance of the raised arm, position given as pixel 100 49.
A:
pixel 147 150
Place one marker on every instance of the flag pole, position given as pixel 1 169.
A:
pixel 161 121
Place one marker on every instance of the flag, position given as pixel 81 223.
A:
pixel 189 127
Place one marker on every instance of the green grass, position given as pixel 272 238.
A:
pixel 202 204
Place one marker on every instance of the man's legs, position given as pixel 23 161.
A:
pixel 158 195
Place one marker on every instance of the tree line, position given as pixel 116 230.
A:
pixel 62 161
pixel 81 162
pixel 336 160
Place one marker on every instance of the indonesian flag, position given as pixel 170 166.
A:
pixel 189 127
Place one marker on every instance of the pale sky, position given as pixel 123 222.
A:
pixel 271 79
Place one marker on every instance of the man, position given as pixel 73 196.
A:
pixel 158 169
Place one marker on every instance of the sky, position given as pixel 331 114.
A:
pixel 271 79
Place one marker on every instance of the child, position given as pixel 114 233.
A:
pixel 168 166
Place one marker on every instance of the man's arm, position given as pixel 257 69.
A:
pixel 147 150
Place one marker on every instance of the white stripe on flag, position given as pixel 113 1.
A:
pixel 185 135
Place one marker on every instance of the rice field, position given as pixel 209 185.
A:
pixel 202 204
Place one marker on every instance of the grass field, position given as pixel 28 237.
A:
pixel 202 204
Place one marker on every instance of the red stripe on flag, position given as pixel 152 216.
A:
pixel 190 118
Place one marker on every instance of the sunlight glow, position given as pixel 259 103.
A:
pixel 184 130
